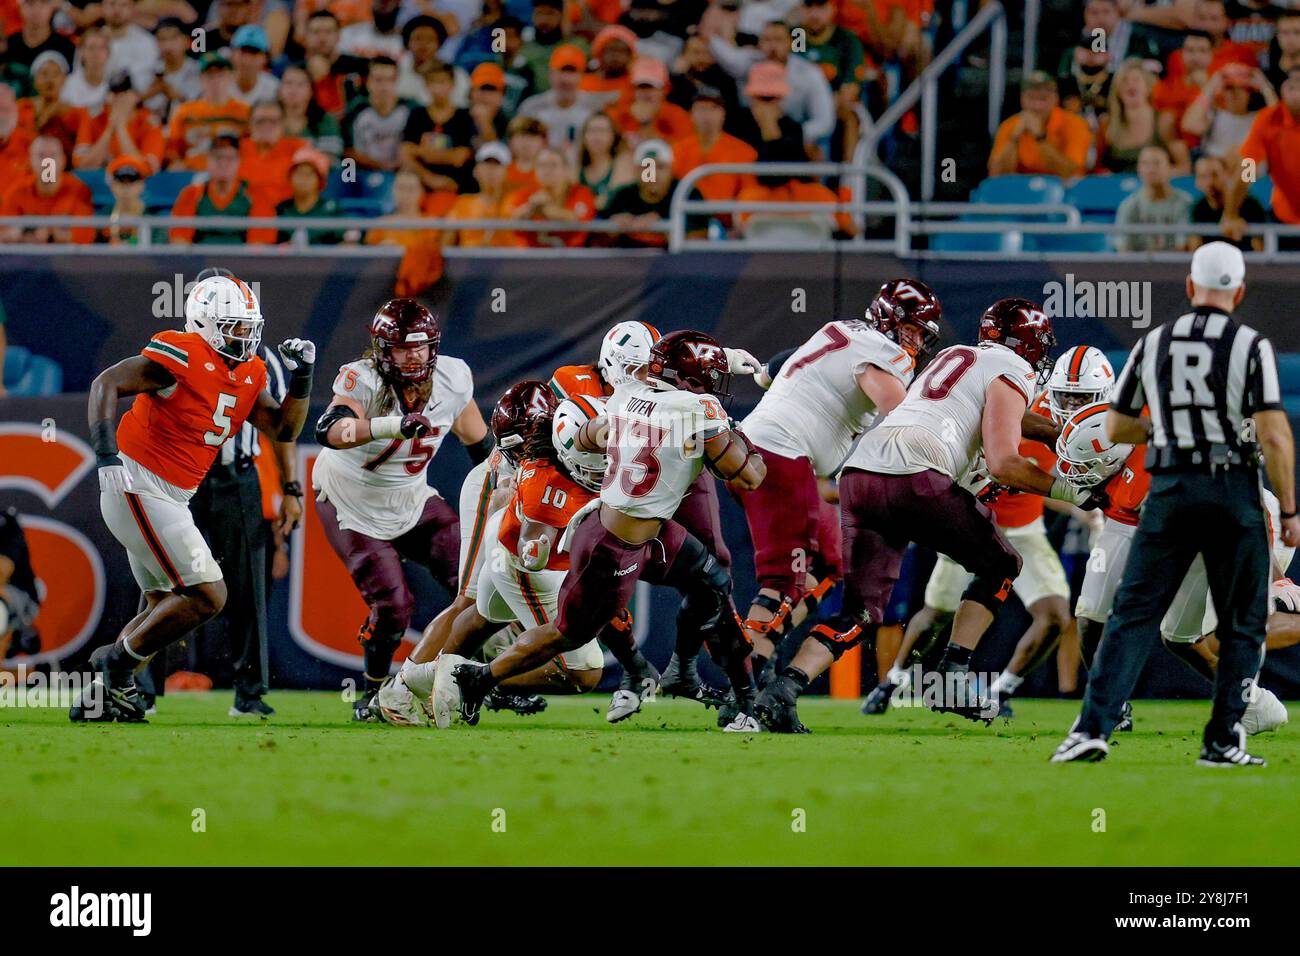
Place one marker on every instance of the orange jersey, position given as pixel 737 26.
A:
pixel 543 493
pixel 574 380
pixel 1127 488
pixel 177 432
pixel 1018 510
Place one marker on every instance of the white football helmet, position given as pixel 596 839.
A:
pixel 1085 456
pixel 1081 376
pixel 225 312
pixel 587 468
pixel 625 348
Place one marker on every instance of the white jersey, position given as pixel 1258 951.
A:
pixel 380 488
pixel 656 447
pixel 939 426
pixel 815 408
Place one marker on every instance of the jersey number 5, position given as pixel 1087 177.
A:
pixel 221 418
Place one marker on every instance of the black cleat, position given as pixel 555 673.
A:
pixel 961 696
pixel 251 707
pixel 777 707
pixel 474 687
pixel 1078 747
pixel 1229 753
pixel 1125 720
pixel 729 711
pixel 364 710
pixel 1004 709
pixel 111 697
pixel 680 680
pixel 878 700
pixel 500 699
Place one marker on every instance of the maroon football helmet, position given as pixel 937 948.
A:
pixel 692 361
pixel 1024 328
pixel 907 312
pixel 521 422
pixel 404 323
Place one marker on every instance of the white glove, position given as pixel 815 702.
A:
pixel 1063 490
pixel 114 479
pixel 297 352
pixel 741 362
pixel 762 379
pixel 1284 595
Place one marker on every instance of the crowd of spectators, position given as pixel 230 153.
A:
pixel 558 111
pixel 1202 88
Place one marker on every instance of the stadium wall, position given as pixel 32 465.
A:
pixel 510 319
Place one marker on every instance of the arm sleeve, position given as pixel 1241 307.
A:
pixel 1128 396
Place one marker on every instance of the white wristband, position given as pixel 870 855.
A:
pixel 390 426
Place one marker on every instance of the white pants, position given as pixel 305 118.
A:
pixel 165 548
pixel 475 495
pixel 1106 563
pixel 1041 573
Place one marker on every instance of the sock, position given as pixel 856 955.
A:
pixel 954 655
pixel 1006 684
pixel 687 667
pixel 801 679
pixel 898 676
pixel 419 677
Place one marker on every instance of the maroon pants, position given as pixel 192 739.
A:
pixel 784 517
pixel 883 513
pixel 700 514
pixel 376 565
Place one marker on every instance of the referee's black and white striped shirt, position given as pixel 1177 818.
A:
pixel 1202 375
pixel 243 444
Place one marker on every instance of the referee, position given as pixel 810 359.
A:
pixel 1215 405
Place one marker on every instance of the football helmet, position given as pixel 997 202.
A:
pixel 1023 327
pixel 404 323
pixel 587 468
pixel 225 313
pixel 1085 456
pixel 624 349
pixel 692 361
pixel 907 312
pixel 521 422
pixel 1081 376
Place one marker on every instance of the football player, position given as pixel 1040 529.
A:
pixel 901 484
pixel 661 428
pixel 390 412
pixel 824 395
pixel 193 390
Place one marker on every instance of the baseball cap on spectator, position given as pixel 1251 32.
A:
pixel 119 82
pixel 168 23
pixel 313 157
pixel 566 56
pixel 50 56
pixel 1038 80
pixel 1218 265
pixel 493 151
pixel 608 35
pixel 128 169
pixel 251 37
pixel 767 79
pixel 656 148
pixel 649 72
pixel 708 94
pixel 488 75
pixel 213 61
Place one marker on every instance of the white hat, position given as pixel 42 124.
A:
pixel 1218 265
pixel 494 150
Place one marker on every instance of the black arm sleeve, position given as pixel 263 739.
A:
pixel 332 414
pixel 479 450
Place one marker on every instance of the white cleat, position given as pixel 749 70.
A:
pixel 627 702
pixel 743 724
pixel 1264 713
pixel 1079 747
pixel 396 705
pixel 446 692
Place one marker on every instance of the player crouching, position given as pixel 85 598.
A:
pixel 663 426
pixel 193 390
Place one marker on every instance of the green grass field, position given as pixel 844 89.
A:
pixel 666 787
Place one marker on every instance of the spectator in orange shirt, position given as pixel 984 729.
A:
pixel 224 194
pixel 525 136
pixel 649 115
pixel 46 112
pixel 123 127
pixel 604 161
pixel 1042 137
pixel 194 125
pixel 1212 17
pixel 15 139
pixel 490 202
pixel 126 177
pixel 39 193
pixel 613 50
pixel 266 154
pixel 557 199
pixel 708 144
pixel 1274 146
pixel 1174 94
pixel 408 202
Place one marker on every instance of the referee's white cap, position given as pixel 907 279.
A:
pixel 1218 265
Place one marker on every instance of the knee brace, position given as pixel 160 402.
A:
pixel 779 624
pixel 841 633
pixel 380 632
pixel 991 590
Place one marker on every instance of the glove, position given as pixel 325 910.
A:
pixel 741 362
pixel 1284 595
pixel 1084 498
pixel 295 352
pixel 415 425
pixel 114 479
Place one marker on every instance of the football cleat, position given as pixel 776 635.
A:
pixel 474 689
pixel 633 691
pixel 961 696
pixel 728 712
pixel 1230 754
pixel 743 724
pixel 1078 747
pixel 1004 709
pixel 445 698
pixel 109 697
pixel 681 680
pixel 251 707
pixel 525 706
pixel 878 700
pixel 363 710
pixel 1125 724
pixel 1264 713
pixel 777 707
pixel 396 705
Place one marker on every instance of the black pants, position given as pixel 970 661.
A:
pixel 1220 517
pixel 228 510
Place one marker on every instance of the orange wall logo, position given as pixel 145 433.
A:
pixel 47 463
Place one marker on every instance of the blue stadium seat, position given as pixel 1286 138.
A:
pixel 26 374
pixel 161 189
pixel 16 359
pixel 1070 242
pixel 1097 197
pixel 1020 190
pixel 1188 185
pixel 976 242
pixel 100 194
pixel 1262 189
